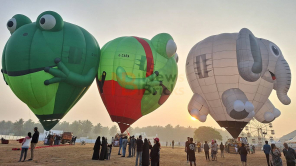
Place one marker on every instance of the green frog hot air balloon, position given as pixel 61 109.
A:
pixel 136 76
pixel 49 64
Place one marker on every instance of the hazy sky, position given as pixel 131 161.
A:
pixel 187 21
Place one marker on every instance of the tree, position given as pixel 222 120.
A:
pixel 113 130
pixel 29 126
pixel 98 129
pixel 131 131
pixel 65 126
pixel 75 127
pixel 105 131
pixel 204 133
pixel 86 126
pixel 18 127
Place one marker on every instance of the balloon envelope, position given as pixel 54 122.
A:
pixel 49 64
pixel 136 76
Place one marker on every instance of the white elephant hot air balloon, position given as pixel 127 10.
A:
pixel 232 76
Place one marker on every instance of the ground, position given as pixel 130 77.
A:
pixel 82 154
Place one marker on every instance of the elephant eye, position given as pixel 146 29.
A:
pixel 47 22
pixel 275 50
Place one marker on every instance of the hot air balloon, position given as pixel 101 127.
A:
pixel 49 64
pixel 232 76
pixel 136 76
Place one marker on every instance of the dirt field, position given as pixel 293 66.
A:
pixel 82 154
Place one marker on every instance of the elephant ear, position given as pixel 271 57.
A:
pixel 249 60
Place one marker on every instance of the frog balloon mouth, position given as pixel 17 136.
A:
pixel 23 72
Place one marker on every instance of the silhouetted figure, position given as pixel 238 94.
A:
pixel 207 149
pixel 266 149
pixel 191 152
pixel 243 153
pixel 222 150
pixel 104 149
pixel 97 147
pixel 145 154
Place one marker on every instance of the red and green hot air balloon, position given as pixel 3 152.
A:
pixel 136 76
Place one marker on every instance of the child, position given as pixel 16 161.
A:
pixel 109 148
pixel 25 146
pixel 191 152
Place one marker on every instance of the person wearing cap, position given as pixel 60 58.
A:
pixel 154 155
pixel 34 142
pixel 139 150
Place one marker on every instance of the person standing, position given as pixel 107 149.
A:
pixel 243 153
pixel 25 146
pixel 96 149
pixel 120 145
pixel 129 147
pixel 145 154
pixel 173 144
pixel 166 144
pixel 214 148
pixel 186 147
pixel 132 144
pixel 289 154
pixel 222 150
pixel 139 150
pixel 103 153
pixel 253 147
pixel 267 149
pixel 191 152
pixel 34 142
pixel 207 149
pixel 154 155
pixel 276 156
pixel 124 145
pixel 109 148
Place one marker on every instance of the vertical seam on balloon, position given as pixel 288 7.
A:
pixel 117 117
pixel 143 94
pixel 30 67
pixel 54 107
pixel 85 49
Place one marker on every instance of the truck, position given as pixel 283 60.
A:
pixel 66 137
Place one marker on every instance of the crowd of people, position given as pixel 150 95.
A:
pixel 145 153
pixel 27 141
pixel 273 155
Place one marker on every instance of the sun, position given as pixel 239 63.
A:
pixel 193 118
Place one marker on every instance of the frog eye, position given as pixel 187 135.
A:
pixel 176 57
pixel 16 22
pixel 50 21
pixel 47 22
pixel 171 48
pixel 11 25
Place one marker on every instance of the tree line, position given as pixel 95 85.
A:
pixel 85 128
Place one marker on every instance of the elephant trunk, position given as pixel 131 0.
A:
pixel 283 80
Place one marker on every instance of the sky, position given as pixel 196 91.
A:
pixel 187 21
